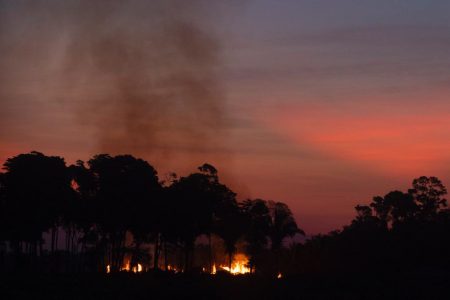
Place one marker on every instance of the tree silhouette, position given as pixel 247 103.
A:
pixel 258 228
pixel 34 190
pixel 127 188
pixel 192 207
pixel 230 227
pixel 115 206
pixel 429 192
pixel 199 201
pixel 394 208
pixel 282 224
pixel 82 217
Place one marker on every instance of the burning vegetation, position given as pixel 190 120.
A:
pixel 113 214
pixel 116 215
pixel 239 266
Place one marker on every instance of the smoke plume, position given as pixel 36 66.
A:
pixel 142 76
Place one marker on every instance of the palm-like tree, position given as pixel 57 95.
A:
pixel 35 188
pixel 126 194
pixel 258 228
pixel 282 225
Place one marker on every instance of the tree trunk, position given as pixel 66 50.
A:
pixel 67 238
pixel 134 258
pixel 52 247
pixel 121 250
pixel 210 254
pixel 81 266
pixel 74 245
pixel 40 248
pixel 111 255
pixel 67 254
pixel 186 257
pixel 35 256
pixel 156 253
pixel 56 238
pixel 186 261
pixel 166 262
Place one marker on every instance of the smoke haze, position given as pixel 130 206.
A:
pixel 140 76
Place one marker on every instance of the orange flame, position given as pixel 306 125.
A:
pixel 238 266
pixel 126 267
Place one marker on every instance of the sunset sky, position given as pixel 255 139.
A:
pixel 318 104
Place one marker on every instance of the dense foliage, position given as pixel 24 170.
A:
pixel 399 232
pixel 114 207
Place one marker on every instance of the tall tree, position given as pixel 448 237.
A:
pixel 429 193
pixel 35 187
pixel 82 215
pixel 258 228
pixel 198 201
pixel 282 225
pixel 231 227
pixel 394 208
pixel 127 192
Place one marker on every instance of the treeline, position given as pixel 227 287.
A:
pixel 401 232
pixel 113 207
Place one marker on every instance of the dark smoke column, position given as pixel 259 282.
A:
pixel 145 75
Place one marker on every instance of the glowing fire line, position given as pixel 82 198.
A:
pixel 238 266
pixel 126 267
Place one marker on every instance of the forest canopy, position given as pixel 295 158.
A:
pixel 113 213
pixel 112 209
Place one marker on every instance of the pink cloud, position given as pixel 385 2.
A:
pixel 394 140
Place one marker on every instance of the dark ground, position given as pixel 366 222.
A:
pixel 169 286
